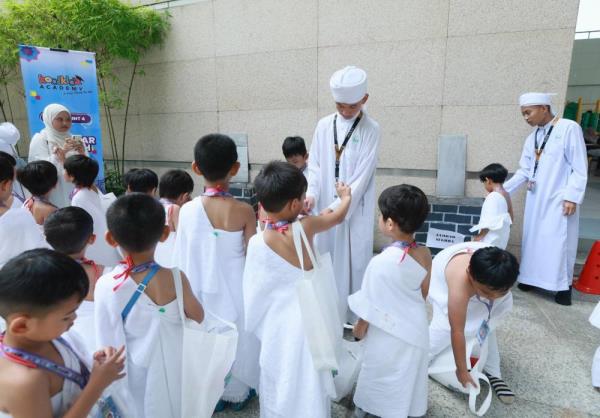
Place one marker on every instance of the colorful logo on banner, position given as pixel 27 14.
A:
pixel 68 78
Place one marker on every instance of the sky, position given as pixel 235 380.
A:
pixel 588 18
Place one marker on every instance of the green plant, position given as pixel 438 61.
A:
pixel 113 182
pixel 116 32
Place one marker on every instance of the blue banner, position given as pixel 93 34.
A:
pixel 67 78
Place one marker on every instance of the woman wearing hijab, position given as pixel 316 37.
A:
pixel 54 143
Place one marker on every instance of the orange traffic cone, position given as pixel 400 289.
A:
pixel 589 279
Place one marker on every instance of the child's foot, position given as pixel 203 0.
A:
pixel 238 406
pixel 221 405
pixel 525 287
pixel 563 297
pixel 501 389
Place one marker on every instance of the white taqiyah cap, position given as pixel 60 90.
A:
pixel 348 85
pixel 9 134
pixel 533 99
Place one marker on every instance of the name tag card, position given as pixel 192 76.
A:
pixel 438 238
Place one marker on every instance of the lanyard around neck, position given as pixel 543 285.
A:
pixel 338 149
pixel 539 149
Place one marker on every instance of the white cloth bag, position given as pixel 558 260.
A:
pixel 319 305
pixel 350 362
pixel 207 356
pixel 443 370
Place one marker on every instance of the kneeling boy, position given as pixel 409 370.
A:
pixel 470 293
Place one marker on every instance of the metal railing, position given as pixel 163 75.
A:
pixel 590 34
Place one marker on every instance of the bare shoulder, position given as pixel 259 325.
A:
pixel 17 381
pixel 422 255
pixel 243 208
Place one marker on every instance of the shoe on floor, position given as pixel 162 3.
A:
pixel 501 389
pixel 525 287
pixel 563 297
pixel 221 405
pixel 238 406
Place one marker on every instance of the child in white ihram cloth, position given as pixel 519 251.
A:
pixel 82 171
pixel 211 249
pixel 496 213
pixel 175 189
pixel 290 387
pixel 70 231
pixel 149 324
pixel 470 295
pixel 393 316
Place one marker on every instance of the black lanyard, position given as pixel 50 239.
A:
pixel 339 150
pixel 538 150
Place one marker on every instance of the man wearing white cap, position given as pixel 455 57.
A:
pixel 344 148
pixel 553 165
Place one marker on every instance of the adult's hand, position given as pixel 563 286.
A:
pixel 60 154
pixel 569 208
pixel 309 203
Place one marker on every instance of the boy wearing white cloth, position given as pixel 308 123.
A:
pixel 175 190
pixel 290 387
pixel 496 213
pixel 391 306
pixel 41 375
pixel 554 167
pixel 82 171
pixel 137 304
pixel 210 248
pixel 470 294
pixel 70 231
pixel 344 148
pixel 18 229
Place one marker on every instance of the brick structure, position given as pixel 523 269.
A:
pixel 244 192
pixel 450 214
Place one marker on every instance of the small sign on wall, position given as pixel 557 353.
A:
pixel 438 238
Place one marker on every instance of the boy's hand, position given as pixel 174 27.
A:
pixel 464 377
pixel 108 366
pixel 343 190
pixel 360 329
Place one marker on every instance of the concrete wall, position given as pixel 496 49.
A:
pixel 435 67
pixel 584 78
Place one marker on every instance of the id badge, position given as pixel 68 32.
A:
pixel 483 332
pixel 108 408
pixel 531 185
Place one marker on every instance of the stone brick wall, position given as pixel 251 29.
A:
pixel 456 215
pixel 244 192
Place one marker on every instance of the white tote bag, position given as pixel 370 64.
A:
pixel 350 362
pixel 595 316
pixel 443 370
pixel 317 296
pixel 207 356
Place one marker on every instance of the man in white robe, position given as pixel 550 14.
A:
pixel 554 190
pixel 351 242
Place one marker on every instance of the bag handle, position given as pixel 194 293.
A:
pixel 178 282
pixel 474 392
pixel 300 237
pixel 138 292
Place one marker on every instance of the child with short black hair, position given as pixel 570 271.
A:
pixel 70 231
pixel 137 304
pixel 294 151
pixel 470 294
pixel 40 178
pixel 40 373
pixel 82 171
pixel 496 213
pixel 175 189
pixel 18 230
pixel 392 312
pixel 289 385
pixel 141 180
pixel 212 235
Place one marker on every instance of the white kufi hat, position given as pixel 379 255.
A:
pixel 348 85
pixel 533 99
